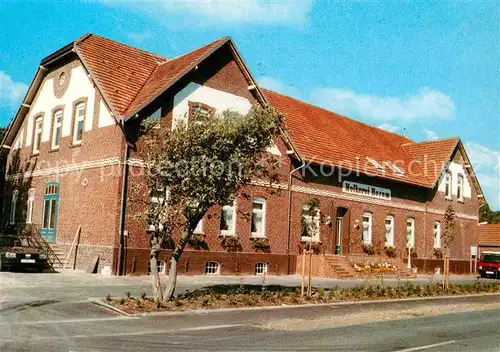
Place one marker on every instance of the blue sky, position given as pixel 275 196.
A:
pixel 427 69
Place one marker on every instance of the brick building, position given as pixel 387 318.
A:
pixel 71 164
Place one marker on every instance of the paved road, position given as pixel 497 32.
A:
pixel 246 331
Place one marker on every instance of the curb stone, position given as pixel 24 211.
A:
pixel 268 308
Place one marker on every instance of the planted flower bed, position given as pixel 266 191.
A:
pixel 375 268
pixel 240 296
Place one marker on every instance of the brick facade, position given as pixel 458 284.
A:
pixel 90 179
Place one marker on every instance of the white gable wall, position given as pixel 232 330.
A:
pixel 80 86
pixel 456 169
pixel 219 100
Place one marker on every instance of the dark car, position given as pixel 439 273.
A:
pixel 17 252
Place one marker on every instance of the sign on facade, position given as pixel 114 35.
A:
pixel 366 190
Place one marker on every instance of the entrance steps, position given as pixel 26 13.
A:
pixel 56 256
pixel 339 267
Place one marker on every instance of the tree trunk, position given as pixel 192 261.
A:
pixel 155 280
pixel 174 260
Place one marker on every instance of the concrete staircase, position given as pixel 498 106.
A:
pixel 55 256
pixel 339 267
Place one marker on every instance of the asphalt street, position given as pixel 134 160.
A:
pixel 466 331
pixel 50 312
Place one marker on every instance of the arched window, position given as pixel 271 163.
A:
pixel 30 204
pixel 259 217
pixel 389 230
pixel 56 129
pixel 437 234
pixel 447 182
pixel 367 228
pixel 410 233
pixel 460 187
pixel 78 123
pixel 13 206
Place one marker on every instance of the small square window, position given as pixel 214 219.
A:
pixel 212 268
pixel 160 264
pixel 261 268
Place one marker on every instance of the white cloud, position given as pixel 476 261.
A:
pixel 11 92
pixel 424 104
pixel 217 12
pixel 279 86
pixel 431 135
pixel 389 127
pixel 486 163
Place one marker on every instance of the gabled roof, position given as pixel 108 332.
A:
pixel 120 70
pixel 168 72
pixel 432 155
pixel 323 136
pixel 127 78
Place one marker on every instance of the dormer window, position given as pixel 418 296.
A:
pixel 200 112
pixel 447 183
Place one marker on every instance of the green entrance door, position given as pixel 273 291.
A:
pixel 49 211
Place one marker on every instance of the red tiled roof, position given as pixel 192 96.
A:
pixel 132 77
pixel 169 72
pixel 432 155
pixel 120 70
pixel 489 234
pixel 323 136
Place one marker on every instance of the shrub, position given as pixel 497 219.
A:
pixel 438 253
pixel 391 251
pixel 231 243
pixel 368 248
pixel 261 244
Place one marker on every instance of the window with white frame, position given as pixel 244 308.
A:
pixel 199 227
pixel 437 234
pixel 228 219
pixel 212 268
pixel 37 134
pixel 389 230
pixel 410 233
pixel 157 201
pixel 447 184
pixel 30 205
pixel 367 227
pixel 13 206
pixel 261 268
pixel 78 123
pixel 310 224
pixel 258 217
pixel 460 187
pixel 19 141
pixel 56 129
pixel 160 266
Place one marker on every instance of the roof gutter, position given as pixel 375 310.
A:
pixel 123 204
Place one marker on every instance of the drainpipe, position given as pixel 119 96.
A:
pixel 123 204
pixel 290 211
